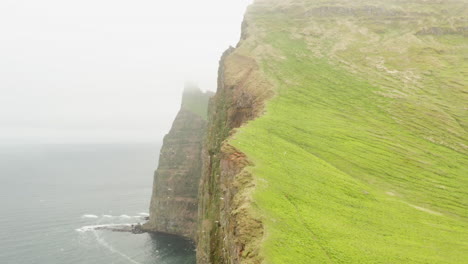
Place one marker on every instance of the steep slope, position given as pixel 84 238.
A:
pixel 228 231
pixel 174 205
pixel 361 154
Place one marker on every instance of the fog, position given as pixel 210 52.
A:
pixel 106 70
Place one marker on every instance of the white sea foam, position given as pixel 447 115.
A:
pixel 125 216
pixel 94 227
pixel 89 216
pixel 104 243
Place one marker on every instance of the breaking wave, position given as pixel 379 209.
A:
pixel 94 227
pixel 140 216
pixel 106 221
pixel 125 216
pixel 103 243
pixel 89 216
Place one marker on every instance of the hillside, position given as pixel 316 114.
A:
pixel 338 134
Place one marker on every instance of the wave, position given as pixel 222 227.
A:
pixel 89 216
pixel 125 216
pixel 104 243
pixel 94 227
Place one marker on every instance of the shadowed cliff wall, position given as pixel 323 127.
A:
pixel 174 204
pixel 229 231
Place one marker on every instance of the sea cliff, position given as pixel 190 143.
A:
pixel 228 231
pixel 337 134
pixel 174 205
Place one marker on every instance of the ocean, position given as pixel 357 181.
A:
pixel 53 198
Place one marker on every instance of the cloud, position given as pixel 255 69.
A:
pixel 76 70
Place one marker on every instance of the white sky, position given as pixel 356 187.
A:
pixel 106 70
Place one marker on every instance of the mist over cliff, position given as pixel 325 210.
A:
pixel 338 134
pixel 174 202
pixel 95 71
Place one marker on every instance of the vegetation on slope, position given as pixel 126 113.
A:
pixel 361 156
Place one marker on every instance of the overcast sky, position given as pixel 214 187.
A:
pixel 106 70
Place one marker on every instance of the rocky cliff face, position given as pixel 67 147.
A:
pixel 359 115
pixel 229 231
pixel 359 157
pixel 174 204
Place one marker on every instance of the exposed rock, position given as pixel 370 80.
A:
pixel 135 229
pixel 229 232
pixel 174 206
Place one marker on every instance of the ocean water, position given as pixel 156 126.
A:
pixel 52 198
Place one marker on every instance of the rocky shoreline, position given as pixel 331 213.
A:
pixel 133 228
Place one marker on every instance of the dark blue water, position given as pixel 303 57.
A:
pixel 53 196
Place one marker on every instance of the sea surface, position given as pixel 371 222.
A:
pixel 52 198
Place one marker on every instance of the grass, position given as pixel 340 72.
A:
pixel 345 175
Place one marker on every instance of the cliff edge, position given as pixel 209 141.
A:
pixel 174 205
pixel 338 134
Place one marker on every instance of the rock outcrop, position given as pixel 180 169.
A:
pixel 229 231
pixel 174 204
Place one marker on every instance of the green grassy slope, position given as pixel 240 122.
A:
pixel 361 156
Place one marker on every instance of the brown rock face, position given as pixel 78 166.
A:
pixel 174 204
pixel 228 231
